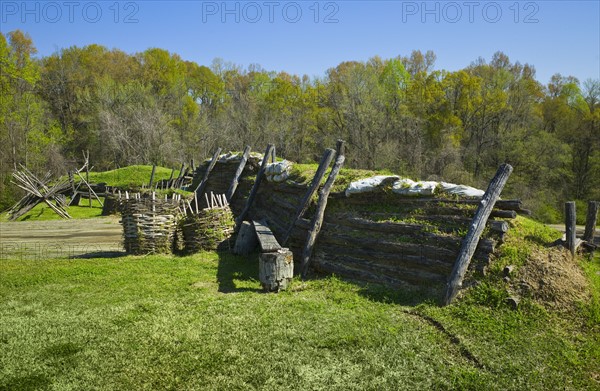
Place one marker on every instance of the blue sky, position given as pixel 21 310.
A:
pixel 308 37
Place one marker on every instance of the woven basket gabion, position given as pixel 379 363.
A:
pixel 209 230
pixel 148 225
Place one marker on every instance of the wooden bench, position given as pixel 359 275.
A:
pixel 266 239
pixel 276 263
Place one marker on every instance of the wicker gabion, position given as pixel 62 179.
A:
pixel 148 224
pixel 211 229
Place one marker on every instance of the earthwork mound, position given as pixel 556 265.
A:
pixel 554 279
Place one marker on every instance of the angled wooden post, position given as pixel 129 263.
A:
pixel 469 244
pixel 236 178
pixel 252 195
pixel 571 226
pixel 317 220
pixel 314 185
pixel 590 222
pixel 90 190
pixel 176 181
pixel 202 185
pixel 152 176
pixel 87 176
pixel 181 179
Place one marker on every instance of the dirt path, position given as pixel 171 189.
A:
pixel 61 238
pixel 580 229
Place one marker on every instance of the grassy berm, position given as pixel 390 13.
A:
pixel 202 323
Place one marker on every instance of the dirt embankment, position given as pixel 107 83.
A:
pixel 553 278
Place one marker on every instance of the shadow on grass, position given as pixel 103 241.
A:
pixel 100 254
pixel 238 273
pixel 31 381
pixel 409 296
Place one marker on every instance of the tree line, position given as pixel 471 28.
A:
pixel 400 114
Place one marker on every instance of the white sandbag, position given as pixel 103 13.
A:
pixel 369 184
pixel 228 157
pixel 461 190
pixel 280 177
pixel 409 187
pixel 282 167
pixel 278 167
pixel 279 171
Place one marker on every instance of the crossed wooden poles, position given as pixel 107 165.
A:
pixel 38 191
pixel 84 181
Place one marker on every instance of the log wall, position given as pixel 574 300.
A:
pixel 377 237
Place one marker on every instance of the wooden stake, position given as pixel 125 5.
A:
pixel 87 176
pixel 202 185
pixel 590 222
pixel 571 226
pixel 314 185
pixel 213 200
pixel 471 240
pixel 252 195
pixel 152 176
pixel 175 183
pixel 238 173
pixel 317 220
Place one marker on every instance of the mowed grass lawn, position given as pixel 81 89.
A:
pixel 202 323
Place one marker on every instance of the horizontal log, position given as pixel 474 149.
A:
pixel 384 227
pixel 446 222
pixel 504 214
pixel 374 246
pixel 290 186
pixel 494 225
pixel 357 237
pixel 367 198
pixel 401 260
pixel 437 247
pixel 402 273
pixel 357 268
pixel 415 230
pixel 281 202
pixel 273 215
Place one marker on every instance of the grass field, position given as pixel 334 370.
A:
pixel 43 212
pixel 131 176
pixel 202 323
